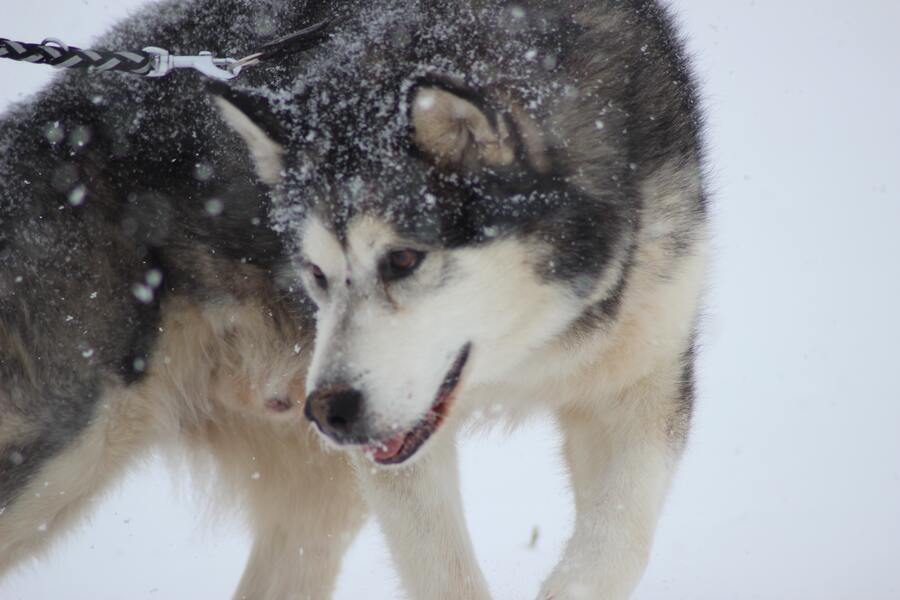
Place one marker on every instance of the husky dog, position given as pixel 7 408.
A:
pixel 495 204
pixel 139 307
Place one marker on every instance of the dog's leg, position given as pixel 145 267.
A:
pixel 621 459
pixel 63 486
pixel 303 506
pixel 303 525
pixel 419 509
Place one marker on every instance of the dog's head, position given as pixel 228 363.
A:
pixel 440 230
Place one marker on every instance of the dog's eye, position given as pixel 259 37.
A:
pixel 401 263
pixel 319 276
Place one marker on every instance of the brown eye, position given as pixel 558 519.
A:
pixel 319 276
pixel 401 263
pixel 404 259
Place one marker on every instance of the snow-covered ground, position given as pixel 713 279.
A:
pixel 791 485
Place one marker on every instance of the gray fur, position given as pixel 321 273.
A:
pixel 107 181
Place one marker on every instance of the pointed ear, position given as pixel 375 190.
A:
pixel 456 133
pixel 250 117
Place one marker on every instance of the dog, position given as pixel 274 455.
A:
pixel 495 205
pixel 139 309
pixel 446 208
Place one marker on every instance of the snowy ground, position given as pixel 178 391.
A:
pixel 791 486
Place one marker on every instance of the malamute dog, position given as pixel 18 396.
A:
pixel 479 205
pixel 495 203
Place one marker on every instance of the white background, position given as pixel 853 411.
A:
pixel 791 486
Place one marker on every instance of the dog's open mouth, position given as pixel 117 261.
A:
pixel 402 446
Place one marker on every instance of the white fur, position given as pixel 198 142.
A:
pixel 615 393
pixel 396 343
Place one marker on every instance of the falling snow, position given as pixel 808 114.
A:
pixel 751 509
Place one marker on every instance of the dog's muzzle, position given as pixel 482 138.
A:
pixel 337 412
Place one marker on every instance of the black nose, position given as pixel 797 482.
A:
pixel 336 411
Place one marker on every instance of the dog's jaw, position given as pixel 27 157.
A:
pixel 401 447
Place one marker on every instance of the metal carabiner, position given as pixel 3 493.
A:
pixel 222 69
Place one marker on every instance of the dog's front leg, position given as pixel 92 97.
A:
pixel 419 509
pixel 304 508
pixel 620 466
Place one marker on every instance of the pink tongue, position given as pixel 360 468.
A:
pixel 388 448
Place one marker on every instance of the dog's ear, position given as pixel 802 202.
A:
pixel 460 131
pixel 250 116
pixel 457 133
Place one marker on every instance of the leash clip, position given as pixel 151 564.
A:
pixel 222 69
